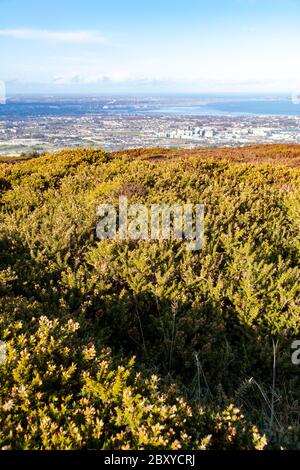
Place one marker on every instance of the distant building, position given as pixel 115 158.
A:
pixel 261 132
pixel 209 133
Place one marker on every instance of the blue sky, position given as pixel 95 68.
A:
pixel 150 46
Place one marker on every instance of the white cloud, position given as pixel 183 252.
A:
pixel 72 37
pixel 117 76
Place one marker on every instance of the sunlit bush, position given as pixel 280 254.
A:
pixel 154 300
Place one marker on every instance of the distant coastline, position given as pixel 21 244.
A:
pixel 168 105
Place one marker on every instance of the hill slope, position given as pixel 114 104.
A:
pixel 206 321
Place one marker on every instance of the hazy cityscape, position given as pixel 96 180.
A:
pixel 49 124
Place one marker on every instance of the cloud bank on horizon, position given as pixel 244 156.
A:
pixel 132 46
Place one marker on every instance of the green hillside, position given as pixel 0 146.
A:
pixel 210 331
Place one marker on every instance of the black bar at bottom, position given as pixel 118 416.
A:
pixel 138 459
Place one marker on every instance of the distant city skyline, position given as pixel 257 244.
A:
pixel 156 46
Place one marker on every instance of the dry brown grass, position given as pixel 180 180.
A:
pixel 282 154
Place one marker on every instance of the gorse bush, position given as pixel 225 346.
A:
pixel 59 393
pixel 205 321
